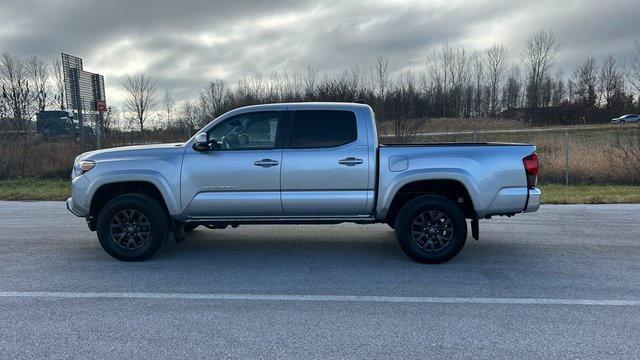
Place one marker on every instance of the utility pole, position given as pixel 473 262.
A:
pixel 99 128
pixel 75 78
pixel 565 143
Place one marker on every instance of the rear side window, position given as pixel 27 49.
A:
pixel 322 128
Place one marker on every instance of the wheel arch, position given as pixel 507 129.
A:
pixel 111 186
pixel 452 189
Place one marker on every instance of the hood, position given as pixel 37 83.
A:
pixel 129 151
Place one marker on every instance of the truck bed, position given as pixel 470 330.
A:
pixel 456 144
pixel 492 173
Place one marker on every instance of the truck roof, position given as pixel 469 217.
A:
pixel 303 106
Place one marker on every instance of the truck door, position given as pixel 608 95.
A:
pixel 325 167
pixel 242 176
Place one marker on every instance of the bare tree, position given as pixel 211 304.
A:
pixel 354 82
pixel 559 91
pixel 496 59
pixel 538 56
pixel 512 93
pixel 628 154
pixel 446 64
pixel 38 74
pixel 188 117
pixel 611 82
pixel 168 103
pixel 310 83
pixel 4 108
pixel 585 78
pixel 401 113
pixel 291 87
pixel 477 66
pixel 633 73
pixel 381 74
pixel 109 121
pixel 141 97
pixel 16 91
pixel 213 100
pixel 58 83
pixel 459 78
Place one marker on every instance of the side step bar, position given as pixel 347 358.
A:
pixel 284 220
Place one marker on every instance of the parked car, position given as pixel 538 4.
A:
pixel 629 118
pixel 57 123
pixel 301 163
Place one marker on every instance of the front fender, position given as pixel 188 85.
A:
pixel 150 176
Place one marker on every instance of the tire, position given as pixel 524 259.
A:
pixel 143 223
pixel 439 238
pixel 189 227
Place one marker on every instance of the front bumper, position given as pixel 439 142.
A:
pixel 78 204
pixel 533 200
pixel 72 209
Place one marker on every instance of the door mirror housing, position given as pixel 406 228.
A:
pixel 201 142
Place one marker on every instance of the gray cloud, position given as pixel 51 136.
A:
pixel 183 44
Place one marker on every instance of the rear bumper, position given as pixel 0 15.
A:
pixel 533 200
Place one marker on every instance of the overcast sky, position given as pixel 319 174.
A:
pixel 184 44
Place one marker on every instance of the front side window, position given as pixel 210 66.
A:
pixel 323 128
pixel 249 131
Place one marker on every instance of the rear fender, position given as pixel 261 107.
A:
pixel 387 195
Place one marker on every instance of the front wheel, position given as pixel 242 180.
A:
pixel 431 229
pixel 132 227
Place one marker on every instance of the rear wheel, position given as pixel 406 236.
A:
pixel 132 227
pixel 431 229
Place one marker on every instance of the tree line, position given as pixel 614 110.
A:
pixel 454 82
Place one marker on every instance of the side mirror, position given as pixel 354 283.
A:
pixel 201 142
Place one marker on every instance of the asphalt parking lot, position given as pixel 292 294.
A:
pixel 560 283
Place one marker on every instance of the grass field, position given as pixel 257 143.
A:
pixel 58 189
pixel 590 194
pixel 34 189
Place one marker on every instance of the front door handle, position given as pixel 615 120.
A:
pixel 265 163
pixel 350 161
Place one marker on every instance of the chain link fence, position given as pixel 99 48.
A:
pixel 572 155
pixel 32 155
pixel 585 154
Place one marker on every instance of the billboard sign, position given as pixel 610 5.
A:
pixel 84 89
pixel 85 93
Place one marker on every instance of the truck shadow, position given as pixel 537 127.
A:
pixel 289 244
pixel 338 259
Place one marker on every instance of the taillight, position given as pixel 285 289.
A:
pixel 531 168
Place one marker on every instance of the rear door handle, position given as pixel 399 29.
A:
pixel 265 163
pixel 350 161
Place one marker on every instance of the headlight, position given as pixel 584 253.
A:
pixel 83 166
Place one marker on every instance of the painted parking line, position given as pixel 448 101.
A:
pixel 316 298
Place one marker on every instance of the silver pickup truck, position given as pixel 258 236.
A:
pixel 300 163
